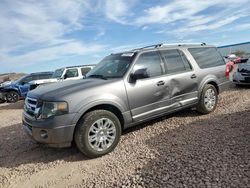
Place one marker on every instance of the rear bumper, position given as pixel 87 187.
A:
pixel 46 133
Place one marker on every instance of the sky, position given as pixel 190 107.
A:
pixel 49 34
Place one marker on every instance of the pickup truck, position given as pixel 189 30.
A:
pixel 64 74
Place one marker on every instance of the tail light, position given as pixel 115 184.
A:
pixel 229 68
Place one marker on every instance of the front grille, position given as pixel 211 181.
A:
pixel 30 106
pixel 245 74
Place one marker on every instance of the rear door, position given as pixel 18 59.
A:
pixel 181 78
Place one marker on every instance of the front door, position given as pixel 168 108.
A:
pixel 146 95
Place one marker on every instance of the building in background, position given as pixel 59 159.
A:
pixel 241 49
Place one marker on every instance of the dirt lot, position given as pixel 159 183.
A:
pixel 180 150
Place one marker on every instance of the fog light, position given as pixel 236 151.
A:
pixel 43 134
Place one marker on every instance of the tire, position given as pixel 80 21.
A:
pixel 208 99
pixel 12 97
pixel 93 141
pixel 2 101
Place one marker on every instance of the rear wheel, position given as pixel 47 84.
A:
pixel 12 96
pixel 208 100
pixel 97 133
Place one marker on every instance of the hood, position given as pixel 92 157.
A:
pixel 244 67
pixel 55 91
pixel 7 83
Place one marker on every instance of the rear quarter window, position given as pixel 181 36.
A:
pixel 207 57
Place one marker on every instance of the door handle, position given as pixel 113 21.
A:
pixel 193 76
pixel 160 83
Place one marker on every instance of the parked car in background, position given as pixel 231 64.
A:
pixel 64 74
pixel 123 90
pixel 242 74
pixel 15 90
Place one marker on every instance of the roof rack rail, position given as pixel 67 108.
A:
pixel 181 44
pixel 73 66
pixel 150 46
pixel 170 44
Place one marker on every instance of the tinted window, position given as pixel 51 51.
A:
pixel 152 62
pixel 85 70
pixel 207 57
pixel 72 73
pixel 45 76
pixel 175 61
pixel 27 79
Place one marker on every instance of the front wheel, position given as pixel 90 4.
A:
pixel 208 100
pixel 97 133
pixel 12 96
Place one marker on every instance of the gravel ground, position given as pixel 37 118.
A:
pixel 183 149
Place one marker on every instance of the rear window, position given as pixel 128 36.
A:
pixel 207 57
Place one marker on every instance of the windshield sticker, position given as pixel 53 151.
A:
pixel 127 54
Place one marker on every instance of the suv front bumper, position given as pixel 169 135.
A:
pixel 48 131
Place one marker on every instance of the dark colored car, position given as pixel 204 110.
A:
pixel 123 90
pixel 13 91
pixel 242 73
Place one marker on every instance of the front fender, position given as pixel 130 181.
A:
pixel 10 88
pixel 85 107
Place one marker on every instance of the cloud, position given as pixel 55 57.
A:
pixel 185 17
pixel 24 23
pixel 119 10
pixel 72 48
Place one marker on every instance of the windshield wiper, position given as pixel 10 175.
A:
pixel 97 76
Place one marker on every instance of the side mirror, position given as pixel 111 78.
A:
pixel 65 76
pixel 139 74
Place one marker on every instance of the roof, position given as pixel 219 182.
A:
pixel 171 45
pixel 79 66
pixel 35 73
pixel 231 45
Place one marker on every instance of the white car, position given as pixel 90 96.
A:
pixel 64 74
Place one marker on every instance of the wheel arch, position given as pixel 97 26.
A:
pixel 105 106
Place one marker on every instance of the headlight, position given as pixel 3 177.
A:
pixel 53 109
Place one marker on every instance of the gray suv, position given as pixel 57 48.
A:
pixel 123 90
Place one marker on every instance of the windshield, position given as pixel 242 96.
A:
pixel 19 80
pixel 58 73
pixel 112 66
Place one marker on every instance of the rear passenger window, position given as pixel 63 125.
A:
pixel 152 62
pixel 175 61
pixel 207 57
pixel 85 70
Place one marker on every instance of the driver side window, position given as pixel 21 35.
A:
pixel 26 80
pixel 70 73
pixel 151 62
